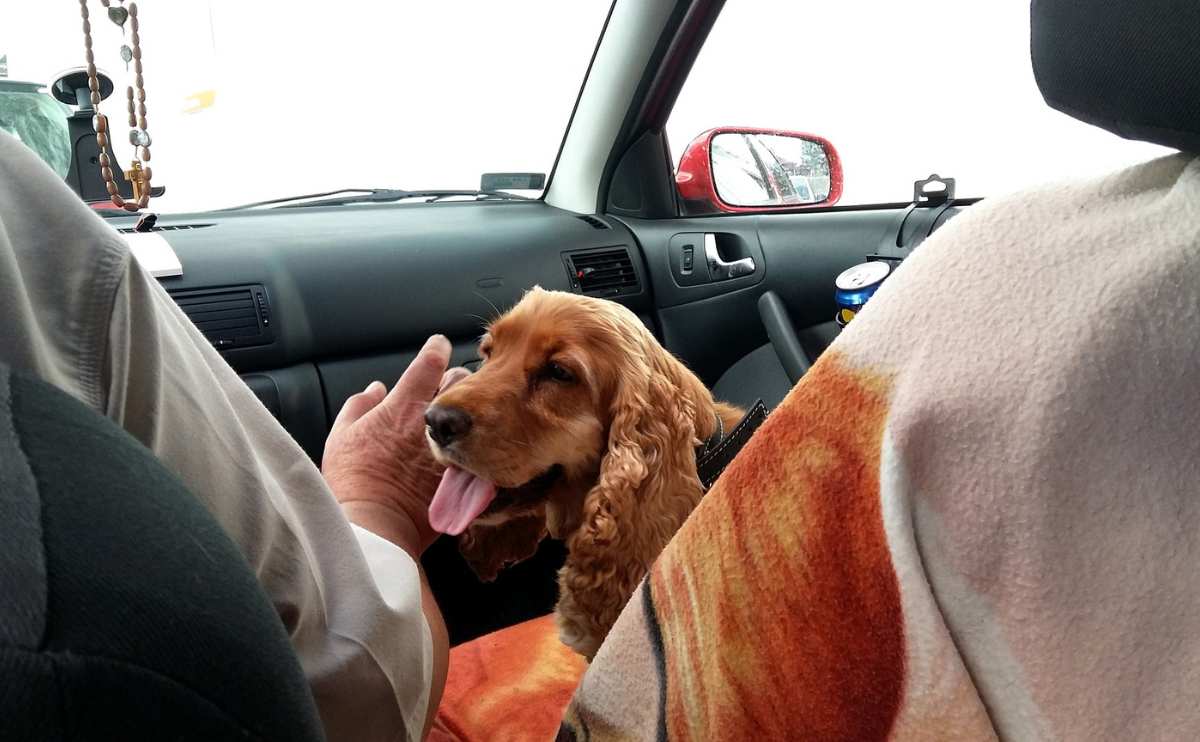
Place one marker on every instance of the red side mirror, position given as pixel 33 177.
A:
pixel 735 170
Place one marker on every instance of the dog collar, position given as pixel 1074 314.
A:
pixel 713 440
pixel 720 449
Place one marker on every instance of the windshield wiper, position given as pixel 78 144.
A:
pixel 386 195
pixel 289 199
pixel 346 196
pixel 431 196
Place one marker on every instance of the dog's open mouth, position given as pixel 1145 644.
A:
pixel 462 497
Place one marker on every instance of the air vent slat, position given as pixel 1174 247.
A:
pixel 607 255
pixel 206 299
pixel 616 258
pixel 608 265
pixel 594 272
pixel 617 279
pixel 220 306
pixel 209 325
pixel 604 272
pixel 604 285
pixel 202 317
pixel 600 277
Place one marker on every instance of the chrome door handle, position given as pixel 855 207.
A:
pixel 718 269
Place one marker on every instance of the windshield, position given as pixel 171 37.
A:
pixel 250 101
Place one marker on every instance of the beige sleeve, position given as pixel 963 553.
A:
pixel 351 601
pixel 76 311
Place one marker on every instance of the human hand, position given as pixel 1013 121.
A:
pixel 377 461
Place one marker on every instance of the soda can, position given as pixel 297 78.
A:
pixel 855 286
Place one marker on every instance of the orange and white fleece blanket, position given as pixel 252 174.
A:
pixel 976 517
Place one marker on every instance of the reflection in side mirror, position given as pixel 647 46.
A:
pixel 769 170
pixel 736 170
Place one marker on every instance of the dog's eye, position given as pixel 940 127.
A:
pixel 557 373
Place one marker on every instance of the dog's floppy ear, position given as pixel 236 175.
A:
pixel 489 549
pixel 628 459
pixel 650 445
pixel 646 489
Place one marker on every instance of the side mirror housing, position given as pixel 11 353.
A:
pixel 736 170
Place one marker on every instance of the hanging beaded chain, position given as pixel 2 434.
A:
pixel 139 173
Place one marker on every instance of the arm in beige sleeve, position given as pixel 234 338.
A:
pixel 78 312
pixel 353 603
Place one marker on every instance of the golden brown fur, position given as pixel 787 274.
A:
pixel 489 549
pixel 620 416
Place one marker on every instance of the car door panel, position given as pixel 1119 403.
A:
pixel 659 243
pixel 707 334
pixel 806 252
pixel 716 326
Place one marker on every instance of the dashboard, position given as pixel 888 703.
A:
pixel 311 304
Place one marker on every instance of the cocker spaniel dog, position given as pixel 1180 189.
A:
pixel 580 425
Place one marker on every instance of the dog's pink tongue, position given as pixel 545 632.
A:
pixel 459 499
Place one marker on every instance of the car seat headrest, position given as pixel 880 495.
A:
pixel 1129 66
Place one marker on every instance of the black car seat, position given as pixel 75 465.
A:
pixel 770 371
pixel 126 613
pixel 1128 66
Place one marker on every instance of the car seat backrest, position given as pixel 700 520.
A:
pixel 1128 66
pixel 127 613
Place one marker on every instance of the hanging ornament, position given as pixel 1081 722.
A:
pixel 118 15
pixel 139 172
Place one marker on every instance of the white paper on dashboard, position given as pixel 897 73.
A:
pixel 155 254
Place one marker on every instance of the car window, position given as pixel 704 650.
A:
pixel 256 100
pixel 901 89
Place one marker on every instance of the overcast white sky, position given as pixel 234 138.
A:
pixel 359 93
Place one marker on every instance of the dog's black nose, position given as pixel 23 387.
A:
pixel 446 424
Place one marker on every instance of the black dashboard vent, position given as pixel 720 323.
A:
pixel 605 272
pixel 229 316
pixel 168 228
pixel 595 222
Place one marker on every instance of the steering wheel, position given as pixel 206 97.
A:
pixel 783 336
